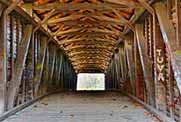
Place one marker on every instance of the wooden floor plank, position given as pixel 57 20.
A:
pixel 84 107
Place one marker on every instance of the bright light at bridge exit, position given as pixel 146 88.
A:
pixel 91 82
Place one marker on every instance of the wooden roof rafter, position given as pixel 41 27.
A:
pixel 81 27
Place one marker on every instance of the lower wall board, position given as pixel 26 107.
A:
pixel 158 114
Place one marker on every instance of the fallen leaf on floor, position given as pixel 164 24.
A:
pixel 147 113
pixel 125 106
pixel 72 115
pixel 155 119
pixel 114 99
pixel 137 105
pixel 44 103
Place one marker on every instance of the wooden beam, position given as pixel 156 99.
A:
pixel 124 3
pixel 51 13
pixel 71 54
pixel 91 54
pixel 147 6
pixel 90 66
pixel 3 64
pixel 88 46
pixel 89 31
pixel 91 50
pixel 129 58
pixel 109 19
pixel 72 30
pixel 25 16
pixel 88 35
pixel 92 42
pixel 123 63
pixel 87 69
pixel 90 63
pixel 53 64
pixel 1 9
pixel 23 49
pixel 145 63
pixel 60 66
pixel 63 19
pixel 178 22
pixel 71 7
pixel 72 23
pixel 40 64
pixel 91 45
pixel 53 21
pixel 127 23
pixel 89 58
pixel 83 39
pixel 11 7
pixel 168 33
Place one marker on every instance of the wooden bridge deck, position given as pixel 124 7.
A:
pixel 84 107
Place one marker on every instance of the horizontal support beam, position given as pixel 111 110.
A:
pixel 87 40
pixel 91 55
pixel 70 7
pixel 88 52
pixel 72 23
pixel 91 50
pixel 74 46
pixel 89 47
pixel 90 66
pixel 89 58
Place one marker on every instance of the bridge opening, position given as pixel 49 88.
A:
pixel 91 82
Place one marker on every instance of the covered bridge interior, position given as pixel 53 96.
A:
pixel 44 44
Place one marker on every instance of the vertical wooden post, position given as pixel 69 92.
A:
pixel 154 56
pixel 159 69
pixel 53 64
pixel 135 65
pixel 40 64
pixel 60 67
pixel 169 7
pixel 171 86
pixel 178 37
pixel 3 65
pixel 62 72
pixel 145 63
pixel 33 63
pixel 178 23
pixel 129 56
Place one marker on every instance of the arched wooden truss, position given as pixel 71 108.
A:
pixel 136 43
pixel 88 30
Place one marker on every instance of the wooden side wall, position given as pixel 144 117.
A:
pixel 31 63
pixel 147 63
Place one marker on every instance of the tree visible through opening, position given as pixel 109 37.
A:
pixel 90 81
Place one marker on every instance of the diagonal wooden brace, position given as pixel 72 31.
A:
pixel 145 63
pixel 23 49
pixel 40 66
pixel 168 33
